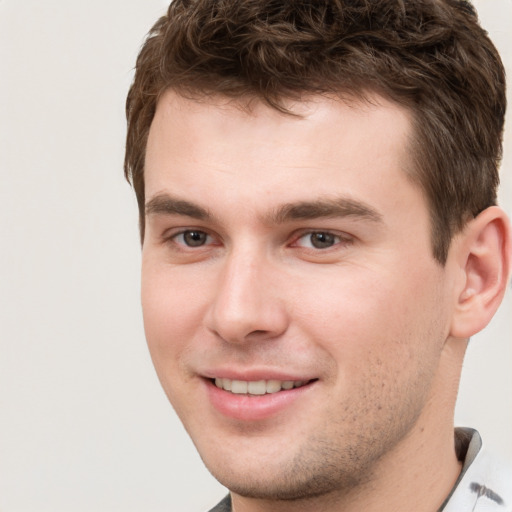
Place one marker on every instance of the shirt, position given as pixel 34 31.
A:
pixel 485 482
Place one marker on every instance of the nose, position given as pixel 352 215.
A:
pixel 247 303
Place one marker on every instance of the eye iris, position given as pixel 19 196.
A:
pixel 322 240
pixel 194 238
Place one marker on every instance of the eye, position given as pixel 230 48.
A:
pixel 192 238
pixel 319 240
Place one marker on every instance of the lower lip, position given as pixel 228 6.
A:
pixel 253 407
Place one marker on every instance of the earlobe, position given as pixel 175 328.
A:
pixel 484 256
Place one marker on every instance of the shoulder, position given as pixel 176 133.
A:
pixel 223 506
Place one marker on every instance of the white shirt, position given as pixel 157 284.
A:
pixel 485 483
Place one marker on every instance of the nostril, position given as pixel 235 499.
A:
pixel 257 332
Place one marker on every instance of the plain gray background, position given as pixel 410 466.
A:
pixel 84 425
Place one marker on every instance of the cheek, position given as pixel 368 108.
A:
pixel 386 350
pixel 363 317
pixel 171 312
pixel 171 319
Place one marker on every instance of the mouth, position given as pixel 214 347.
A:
pixel 259 399
pixel 258 387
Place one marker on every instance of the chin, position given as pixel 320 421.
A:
pixel 314 472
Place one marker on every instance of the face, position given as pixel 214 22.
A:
pixel 292 306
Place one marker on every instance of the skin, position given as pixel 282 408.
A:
pixel 370 318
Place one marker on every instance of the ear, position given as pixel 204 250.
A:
pixel 483 254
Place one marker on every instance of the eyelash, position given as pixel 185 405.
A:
pixel 175 236
pixel 333 238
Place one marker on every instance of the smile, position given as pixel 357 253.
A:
pixel 257 387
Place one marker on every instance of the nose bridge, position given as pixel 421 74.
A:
pixel 247 303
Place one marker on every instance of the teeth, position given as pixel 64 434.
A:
pixel 273 386
pixel 238 387
pixel 258 387
pixel 223 383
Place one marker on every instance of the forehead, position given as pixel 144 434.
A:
pixel 217 115
pixel 251 152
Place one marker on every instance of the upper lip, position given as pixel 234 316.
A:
pixel 253 374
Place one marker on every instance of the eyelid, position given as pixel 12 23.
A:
pixel 170 235
pixel 341 237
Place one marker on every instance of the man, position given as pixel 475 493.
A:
pixel 317 191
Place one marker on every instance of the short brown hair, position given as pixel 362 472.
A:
pixel 430 56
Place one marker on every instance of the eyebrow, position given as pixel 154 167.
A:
pixel 164 204
pixel 325 208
